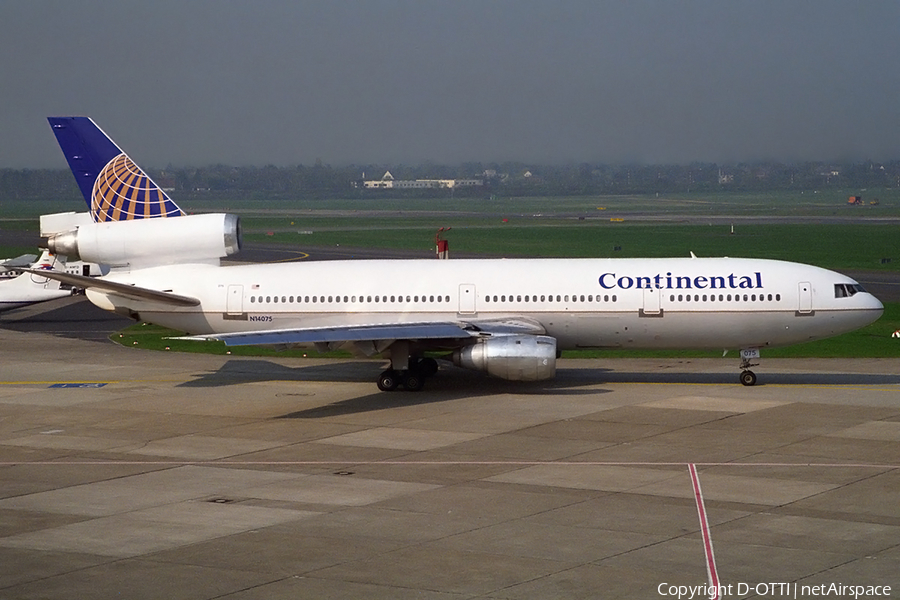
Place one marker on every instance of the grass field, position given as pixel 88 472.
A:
pixel 571 226
pixel 832 246
pixel 777 203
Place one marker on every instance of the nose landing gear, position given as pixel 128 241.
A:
pixel 748 377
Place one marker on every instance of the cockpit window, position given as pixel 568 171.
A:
pixel 846 290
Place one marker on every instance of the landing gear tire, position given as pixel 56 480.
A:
pixel 388 381
pixel 748 378
pixel 413 381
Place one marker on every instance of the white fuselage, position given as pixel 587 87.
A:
pixel 27 289
pixel 691 303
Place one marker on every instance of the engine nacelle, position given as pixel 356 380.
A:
pixel 511 357
pixel 155 241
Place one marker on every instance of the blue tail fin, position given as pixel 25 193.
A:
pixel 114 188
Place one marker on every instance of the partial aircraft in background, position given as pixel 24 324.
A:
pixel 33 285
pixel 12 267
pixel 509 318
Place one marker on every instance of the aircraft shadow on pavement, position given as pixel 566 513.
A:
pixel 254 370
pixel 350 371
pixel 444 387
pixel 452 383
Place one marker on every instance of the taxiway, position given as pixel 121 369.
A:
pixel 129 473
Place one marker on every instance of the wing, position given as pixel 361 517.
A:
pixel 348 333
pixel 459 331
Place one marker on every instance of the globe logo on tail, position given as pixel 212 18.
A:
pixel 123 192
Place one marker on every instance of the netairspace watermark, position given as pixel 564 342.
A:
pixel 773 590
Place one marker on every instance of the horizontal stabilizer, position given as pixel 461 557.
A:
pixel 120 289
pixel 26 260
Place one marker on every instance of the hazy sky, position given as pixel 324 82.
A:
pixel 196 82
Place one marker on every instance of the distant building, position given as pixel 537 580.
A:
pixel 387 181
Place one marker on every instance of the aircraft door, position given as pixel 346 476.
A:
pixel 805 290
pixel 651 302
pixel 234 301
pixel 467 299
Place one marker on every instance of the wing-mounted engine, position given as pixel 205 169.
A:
pixel 511 357
pixel 151 242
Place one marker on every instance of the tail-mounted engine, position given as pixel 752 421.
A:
pixel 146 242
pixel 511 357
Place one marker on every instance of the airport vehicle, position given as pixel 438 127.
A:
pixel 509 318
pixel 33 285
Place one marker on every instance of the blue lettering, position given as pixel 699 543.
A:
pixel 603 284
pixel 609 281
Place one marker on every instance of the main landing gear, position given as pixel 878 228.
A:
pixel 408 372
pixel 411 379
pixel 748 377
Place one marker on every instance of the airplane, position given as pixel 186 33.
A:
pixel 33 285
pixel 11 268
pixel 509 318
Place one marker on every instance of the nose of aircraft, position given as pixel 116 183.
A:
pixel 873 304
pixel 878 304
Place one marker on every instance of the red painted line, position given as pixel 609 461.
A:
pixel 707 539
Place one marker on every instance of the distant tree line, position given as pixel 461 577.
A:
pixel 509 179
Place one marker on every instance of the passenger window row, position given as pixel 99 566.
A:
pixel 550 298
pixel 499 299
pixel 346 299
pixel 724 298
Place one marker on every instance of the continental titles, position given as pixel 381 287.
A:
pixel 732 281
